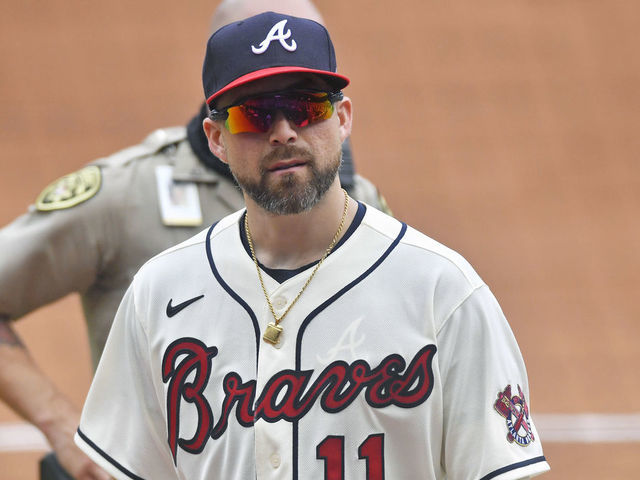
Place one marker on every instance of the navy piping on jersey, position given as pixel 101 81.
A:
pixel 107 457
pixel 319 309
pixel 515 466
pixel 282 275
pixel 232 294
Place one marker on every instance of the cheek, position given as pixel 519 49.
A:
pixel 327 138
pixel 242 151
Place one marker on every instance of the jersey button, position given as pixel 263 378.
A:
pixel 275 460
pixel 279 302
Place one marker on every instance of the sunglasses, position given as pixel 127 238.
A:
pixel 257 114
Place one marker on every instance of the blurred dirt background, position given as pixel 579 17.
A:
pixel 504 129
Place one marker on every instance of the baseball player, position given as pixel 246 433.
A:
pixel 90 231
pixel 308 336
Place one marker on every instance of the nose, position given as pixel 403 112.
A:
pixel 282 131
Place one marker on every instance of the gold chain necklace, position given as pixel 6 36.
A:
pixel 273 331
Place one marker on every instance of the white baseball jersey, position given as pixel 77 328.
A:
pixel 396 363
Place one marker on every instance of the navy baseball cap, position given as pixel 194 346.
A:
pixel 265 45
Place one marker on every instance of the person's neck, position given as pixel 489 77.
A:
pixel 292 241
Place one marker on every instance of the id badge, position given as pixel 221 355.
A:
pixel 179 201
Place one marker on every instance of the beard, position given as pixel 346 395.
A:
pixel 290 195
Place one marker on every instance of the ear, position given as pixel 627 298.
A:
pixel 345 112
pixel 213 131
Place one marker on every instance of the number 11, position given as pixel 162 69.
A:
pixel 331 450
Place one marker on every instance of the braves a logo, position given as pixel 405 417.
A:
pixel 516 412
pixel 347 342
pixel 276 33
pixel 289 395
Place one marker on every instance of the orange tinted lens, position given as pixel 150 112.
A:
pixel 244 118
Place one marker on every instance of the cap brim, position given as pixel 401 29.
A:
pixel 336 80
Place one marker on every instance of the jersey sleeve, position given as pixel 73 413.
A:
pixel 122 427
pixel 488 427
pixel 46 255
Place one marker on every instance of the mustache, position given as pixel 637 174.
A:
pixel 285 152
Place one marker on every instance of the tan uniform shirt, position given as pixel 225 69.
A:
pixel 96 246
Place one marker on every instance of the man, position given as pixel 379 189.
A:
pixel 90 232
pixel 309 336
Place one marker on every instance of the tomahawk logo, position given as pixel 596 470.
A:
pixel 516 412
pixel 276 33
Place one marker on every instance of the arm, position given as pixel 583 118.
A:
pixel 123 423
pixel 488 426
pixel 44 256
pixel 31 394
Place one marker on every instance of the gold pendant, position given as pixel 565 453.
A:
pixel 272 333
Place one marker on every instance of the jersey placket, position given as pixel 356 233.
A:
pixel 274 438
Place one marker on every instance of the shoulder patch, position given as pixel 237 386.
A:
pixel 516 413
pixel 70 190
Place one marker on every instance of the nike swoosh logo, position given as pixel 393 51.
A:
pixel 172 310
